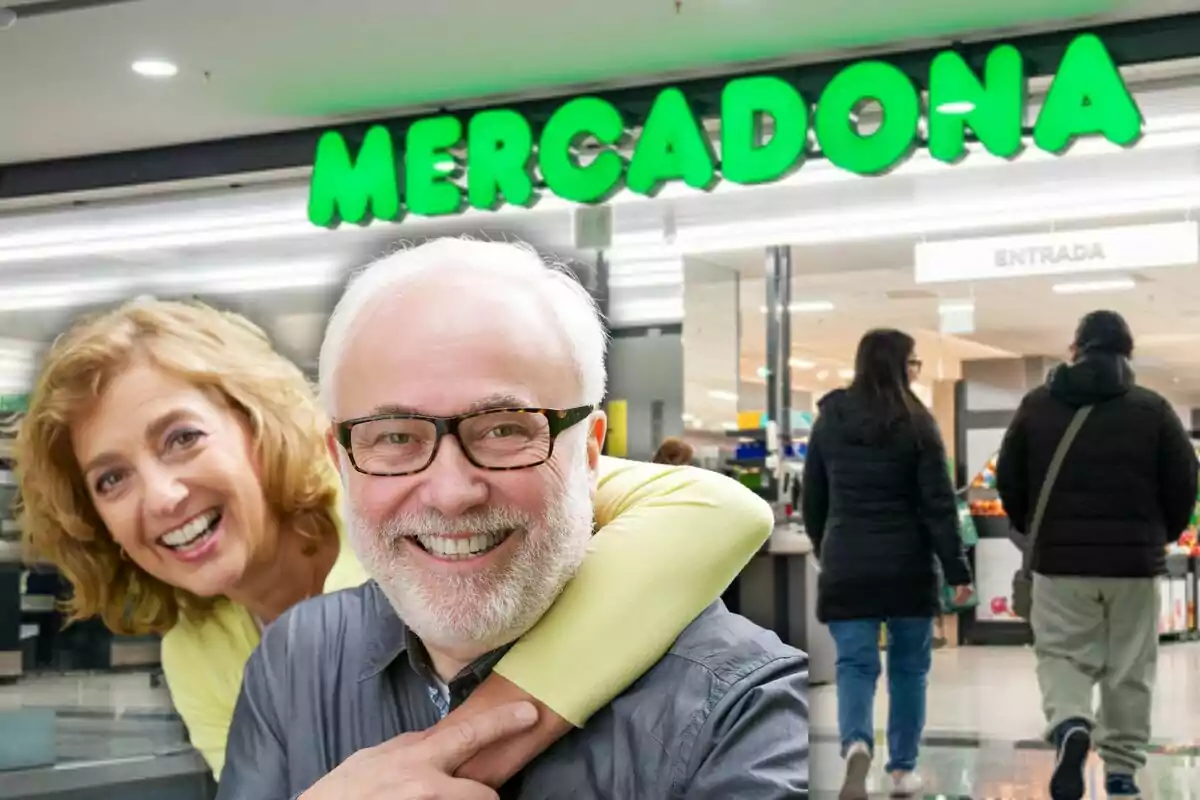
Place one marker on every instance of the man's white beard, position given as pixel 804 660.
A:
pixel 480 611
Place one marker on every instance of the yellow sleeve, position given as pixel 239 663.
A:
pixel 203 665
pixel 672 540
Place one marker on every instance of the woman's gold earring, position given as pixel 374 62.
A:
pixel 124 555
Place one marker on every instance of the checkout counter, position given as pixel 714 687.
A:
pixel 778 590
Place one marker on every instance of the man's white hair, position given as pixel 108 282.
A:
pixel 574 309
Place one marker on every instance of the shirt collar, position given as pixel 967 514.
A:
pixel 387 635
pixel 388 639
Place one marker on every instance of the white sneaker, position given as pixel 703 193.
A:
pixel 906 784
pixel 858 767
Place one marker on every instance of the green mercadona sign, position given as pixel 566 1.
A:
pixel 444 165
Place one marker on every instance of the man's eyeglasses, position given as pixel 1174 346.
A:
pixel 391 445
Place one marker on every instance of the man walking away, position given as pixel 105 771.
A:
pixel 1126 488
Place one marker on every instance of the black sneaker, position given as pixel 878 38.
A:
pixel 1122 786
pixel 1074 743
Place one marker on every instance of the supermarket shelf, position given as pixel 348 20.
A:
pixel 747 463
pixel 748 433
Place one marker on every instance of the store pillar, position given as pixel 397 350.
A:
pixel 645 357
pixel 779 351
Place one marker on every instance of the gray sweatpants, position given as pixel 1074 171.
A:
pixel 1104 631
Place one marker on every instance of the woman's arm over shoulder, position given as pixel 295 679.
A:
pixel 672 540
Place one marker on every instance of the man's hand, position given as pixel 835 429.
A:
pixel 421 765
pixel 962 595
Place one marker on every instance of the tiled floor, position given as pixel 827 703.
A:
pixel 984 722
pixel 984 725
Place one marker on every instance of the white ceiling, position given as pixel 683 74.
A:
pixel 267 65
pixel 853 237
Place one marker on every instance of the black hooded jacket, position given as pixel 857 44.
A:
pixel 879 507
pixel 1127 486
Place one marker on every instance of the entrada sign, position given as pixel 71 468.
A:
pixel 1078 253
pixel 1119 249
pixel 507 161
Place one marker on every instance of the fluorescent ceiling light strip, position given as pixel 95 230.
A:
pixel 646 273
pixel 717 394
pixel 1005 211
pixel 210 224
pixel 164 241
pixel 189 231
pixel 806 307
pixel 645 281
pixel 1088 287
pixel 67 294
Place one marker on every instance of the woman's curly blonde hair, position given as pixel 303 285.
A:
pixel 214 350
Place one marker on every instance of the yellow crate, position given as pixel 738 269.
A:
pixel 748 420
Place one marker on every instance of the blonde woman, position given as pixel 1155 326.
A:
pixel 155 403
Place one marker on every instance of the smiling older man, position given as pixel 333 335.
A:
pixel 466 378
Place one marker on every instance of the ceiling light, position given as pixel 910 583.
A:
pixel 800 363
pixel 956 107
pixel 717 394
pixel 809 307
pixel 1088 287
pixel 956 306
pixel 923 220
pixel 823 375
pixel 812 307
pixel 24 296
pixel 155 68
pixel 846 374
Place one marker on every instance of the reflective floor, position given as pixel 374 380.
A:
pixel 85 718
pixel 984 725
pixel 982 738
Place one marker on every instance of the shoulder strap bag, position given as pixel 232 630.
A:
pixel 1022 582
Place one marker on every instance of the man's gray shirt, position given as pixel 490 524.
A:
pixel 723 715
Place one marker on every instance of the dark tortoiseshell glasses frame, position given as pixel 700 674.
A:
pixel 557 421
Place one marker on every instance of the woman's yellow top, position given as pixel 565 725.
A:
pixel 670 540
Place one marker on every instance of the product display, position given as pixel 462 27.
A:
pixel 996 557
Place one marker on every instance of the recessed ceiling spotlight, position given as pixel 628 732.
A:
pixel 155 68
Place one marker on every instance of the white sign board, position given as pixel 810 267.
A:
pixel 1170 244
pixel 995 562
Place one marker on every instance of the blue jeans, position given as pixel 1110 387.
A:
pixel 909 651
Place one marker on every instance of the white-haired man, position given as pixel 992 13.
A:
pixel 464 379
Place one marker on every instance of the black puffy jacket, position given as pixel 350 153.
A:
pixel 1126 487
pixel 879 507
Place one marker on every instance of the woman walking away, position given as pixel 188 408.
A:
pixel 879 507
